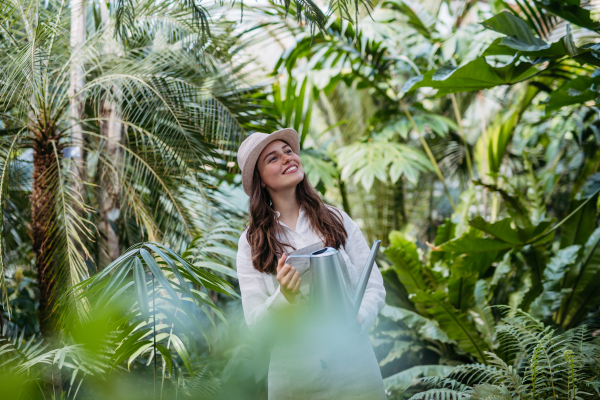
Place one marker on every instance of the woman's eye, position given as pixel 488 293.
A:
pixel 272 159
pixel 288 151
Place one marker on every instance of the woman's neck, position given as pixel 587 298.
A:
pixel 288 206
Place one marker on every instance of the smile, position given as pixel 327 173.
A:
pixel 290 169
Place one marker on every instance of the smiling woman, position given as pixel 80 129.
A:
pixel 287 214
pixel 279 160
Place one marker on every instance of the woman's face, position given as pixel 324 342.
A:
pixel 279 167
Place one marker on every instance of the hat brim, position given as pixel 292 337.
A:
pixel 288 135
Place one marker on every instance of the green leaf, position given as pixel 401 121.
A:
pixel 513 203
pixel 181 326
pixel 380 159
pixel 500 229
pixel 116 279
pixel 582 280
pixel 173 266
pixel 426 328
pixel 201 277
pixel 158 274
pixel 402 380
pixel 166 356
pixel 141 289
pixel 317 169
pixel 554 273
pixel 396 294
pixel 486 322
pixel 403 254
pixel 399 348
pixel 458 325
pixel 418 18
pixel 476 75
pixel 575 91
pixel 461 288
pixel 571 11
pixel 183 353
pixel 511 25
pixel 445 232
pixel 536 259
pixel 217 267
pixel 470 244
pixel 476 263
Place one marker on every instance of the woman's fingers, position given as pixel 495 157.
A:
pixel 283 272
pixel 297 287
pixel 286 274
pixel 292 284
pixel 281 262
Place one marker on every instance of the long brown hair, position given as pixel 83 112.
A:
pixel 263 228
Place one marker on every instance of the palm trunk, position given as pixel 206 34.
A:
pixel 110 190
pixel 111 128
pixel 78 29
pixel 44 215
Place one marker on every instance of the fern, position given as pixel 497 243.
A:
pixel 441 394
pixel 533 362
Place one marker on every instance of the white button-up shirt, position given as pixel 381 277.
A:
pixel 261 295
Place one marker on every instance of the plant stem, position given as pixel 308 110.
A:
pixel 429 154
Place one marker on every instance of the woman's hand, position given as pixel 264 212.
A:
pixel 289 279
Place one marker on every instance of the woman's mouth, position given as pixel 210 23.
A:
pixel 290 169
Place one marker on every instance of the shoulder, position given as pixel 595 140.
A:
pixel 243 245
pixel 349 223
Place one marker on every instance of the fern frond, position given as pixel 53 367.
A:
pixel 440 394
pixel 443 383
pixel 486 391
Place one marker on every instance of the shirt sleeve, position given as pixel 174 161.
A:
pixel 358 251
pixel 256 301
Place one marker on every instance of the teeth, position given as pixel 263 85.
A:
pixel 290 169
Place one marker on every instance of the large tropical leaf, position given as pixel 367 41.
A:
pixel 386 161
pixel 581 283
pixel 141 276
pixel 402 380
pixel 476 75
pixel 458 326
pixel 411 272
pixel 426 328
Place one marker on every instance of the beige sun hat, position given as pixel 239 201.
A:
pixel 254 144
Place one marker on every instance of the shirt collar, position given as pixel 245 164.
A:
pixel 301 214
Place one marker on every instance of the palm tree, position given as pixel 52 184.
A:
pixel 171 88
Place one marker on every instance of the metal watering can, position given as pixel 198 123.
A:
pixel 330 297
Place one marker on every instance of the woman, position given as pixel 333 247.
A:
pixel 286 214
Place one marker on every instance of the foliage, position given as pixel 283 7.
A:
pixel 128 317
pixel 132 186
pixel 533 362
pixel 490 264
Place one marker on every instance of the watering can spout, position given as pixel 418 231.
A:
pixel 359 292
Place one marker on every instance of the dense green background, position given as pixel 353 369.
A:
pixel 464 134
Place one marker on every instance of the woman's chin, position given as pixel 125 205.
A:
pixel 291 180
